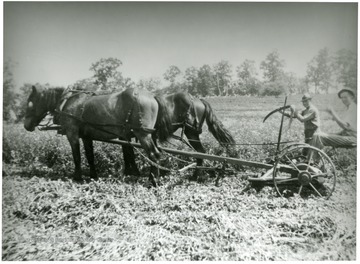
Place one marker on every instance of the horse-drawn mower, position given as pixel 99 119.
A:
pixel 295 168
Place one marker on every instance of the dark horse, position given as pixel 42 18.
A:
pixel 190 113
pixel 81 114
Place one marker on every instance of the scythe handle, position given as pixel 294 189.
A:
pixel 281 126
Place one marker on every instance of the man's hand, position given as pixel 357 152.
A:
pixel 292 108
pixel 330 110
pixel 294 112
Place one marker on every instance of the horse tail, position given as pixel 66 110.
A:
pixel 217 129
pixel 163 123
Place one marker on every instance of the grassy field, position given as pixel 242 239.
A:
pixel 47 216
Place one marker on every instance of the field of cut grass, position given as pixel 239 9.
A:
pixel 47 216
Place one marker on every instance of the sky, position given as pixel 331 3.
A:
pixel 56 42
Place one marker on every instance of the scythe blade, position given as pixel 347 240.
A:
pixel 276 110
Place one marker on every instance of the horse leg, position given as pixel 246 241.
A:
pixel 194 141
pixel 153 153
pixel 75 148
pixel 89 152
pixel 129 160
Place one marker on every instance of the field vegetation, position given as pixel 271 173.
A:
pixel 47 216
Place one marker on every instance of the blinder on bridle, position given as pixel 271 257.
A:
pixel 32 111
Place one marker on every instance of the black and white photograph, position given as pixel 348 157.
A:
pixel 179 131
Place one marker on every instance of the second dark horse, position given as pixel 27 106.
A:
pixel 189 114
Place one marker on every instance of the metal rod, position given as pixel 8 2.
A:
pixel 192 165
pixel 281 126
pixel 197 155
pixel 49 128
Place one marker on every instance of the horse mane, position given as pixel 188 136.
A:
pixel 91 89
pixel 52 97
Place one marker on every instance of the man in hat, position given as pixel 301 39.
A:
pixel 347 136
pixel 309 116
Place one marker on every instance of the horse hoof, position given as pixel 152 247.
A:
pixel 131 173
pixel 153 183
pixel 148 185
pixel 201 179
pixel 217 184
pixel 193 178
pixel 78 179
pixel 94 176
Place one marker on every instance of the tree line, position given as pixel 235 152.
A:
pixel 324 72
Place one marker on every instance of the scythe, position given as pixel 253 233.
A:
pixel 281 110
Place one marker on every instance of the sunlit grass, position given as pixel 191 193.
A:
pixel 47 216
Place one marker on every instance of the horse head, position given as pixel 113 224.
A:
pixel 40 102
pixel 36 108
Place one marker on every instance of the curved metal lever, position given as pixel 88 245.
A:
pixel 276 110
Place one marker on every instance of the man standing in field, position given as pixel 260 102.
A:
pixel 347 136
pixel 309 116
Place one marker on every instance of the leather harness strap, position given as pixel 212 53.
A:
pixel 192 110
pixel 65 98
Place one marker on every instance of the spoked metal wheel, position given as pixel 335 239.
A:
pixel 305 170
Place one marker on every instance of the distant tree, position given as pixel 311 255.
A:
pixel 275 88
pixel 206 85
pixel 87 83
pixel 319 71
pixel 233 88
pixel 128 83
pixel 344 65
pixel 191 80
pixel 272 67
pixel 302 86
pixel 150 84
pixel 222 73
pixel 248 83
pixel 10 96
pixel 107 76
pixel 290 82
pixel 171 74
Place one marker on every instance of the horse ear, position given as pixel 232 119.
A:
pixel 33 89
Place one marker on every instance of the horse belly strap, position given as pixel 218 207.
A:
pixel 193 128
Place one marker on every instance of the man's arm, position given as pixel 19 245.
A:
pixel 304 118
pixel 286 114
pixel 337 119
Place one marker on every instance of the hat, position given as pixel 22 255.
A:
pixel 306 97
pixel 350 91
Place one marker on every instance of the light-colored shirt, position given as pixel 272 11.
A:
pixel 349 118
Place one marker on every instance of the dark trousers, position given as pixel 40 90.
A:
pixel 309 134
pixel 308 137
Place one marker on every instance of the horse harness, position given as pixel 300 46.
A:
pixel 127 126
pixel 194 126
